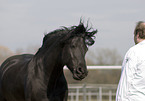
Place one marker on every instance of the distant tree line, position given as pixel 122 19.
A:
pixel 103 56
pixel 4 53
pixel 96 56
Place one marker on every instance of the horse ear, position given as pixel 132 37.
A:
pixel 80 28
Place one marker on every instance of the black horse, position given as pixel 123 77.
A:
pixel 40 77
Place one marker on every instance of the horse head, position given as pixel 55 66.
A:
pixel 75 49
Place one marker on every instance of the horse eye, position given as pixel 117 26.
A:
pixel 73 46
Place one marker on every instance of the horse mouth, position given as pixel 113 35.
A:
pixel 77 76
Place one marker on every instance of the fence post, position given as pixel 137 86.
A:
pixel 77 94
pixel 84 92
pixel 100 93
pixel 110 95
pixel 72 96
pixel 89 96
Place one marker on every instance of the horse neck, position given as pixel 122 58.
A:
pixel 50 62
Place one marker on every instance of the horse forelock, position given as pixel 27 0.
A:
pixel 87 33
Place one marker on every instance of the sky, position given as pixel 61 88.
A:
pixel 24 22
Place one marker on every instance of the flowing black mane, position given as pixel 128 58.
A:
pixel 67 33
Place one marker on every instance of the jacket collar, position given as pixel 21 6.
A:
pixel 142 42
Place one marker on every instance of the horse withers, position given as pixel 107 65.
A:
pixel 40 77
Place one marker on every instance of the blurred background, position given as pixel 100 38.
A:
pixel 23 24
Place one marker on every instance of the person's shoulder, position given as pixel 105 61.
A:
pixel 132 51
pixel 138 47
pixel 133 48
pixel 137 50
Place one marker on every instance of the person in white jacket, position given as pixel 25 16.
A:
pixel 131 86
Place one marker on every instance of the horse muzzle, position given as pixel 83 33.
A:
pixel 80 73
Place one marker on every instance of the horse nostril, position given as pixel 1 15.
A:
pixel 80 70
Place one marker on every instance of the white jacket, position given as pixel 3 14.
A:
pixel 131 86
